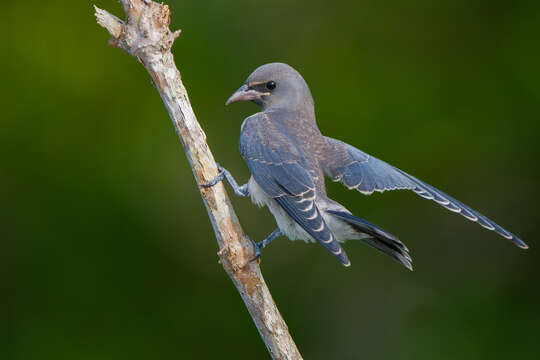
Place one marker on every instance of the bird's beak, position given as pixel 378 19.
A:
pixel 244 93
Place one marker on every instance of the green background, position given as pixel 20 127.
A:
pixel 106 249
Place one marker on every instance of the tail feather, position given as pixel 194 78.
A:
pixel 380 239
pixel 400 255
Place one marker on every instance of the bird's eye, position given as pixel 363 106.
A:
pixel 271 85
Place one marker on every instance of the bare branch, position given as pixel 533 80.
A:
pixel 145 35
pixel 109 22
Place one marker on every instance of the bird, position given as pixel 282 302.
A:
pixel 288 158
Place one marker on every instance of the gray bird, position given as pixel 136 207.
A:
pixel 288 158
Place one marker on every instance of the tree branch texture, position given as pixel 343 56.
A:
pixel 145 35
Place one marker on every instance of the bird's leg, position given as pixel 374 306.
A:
pixel 258 246
pixel 241 191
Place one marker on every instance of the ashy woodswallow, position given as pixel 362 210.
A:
pixel 288 158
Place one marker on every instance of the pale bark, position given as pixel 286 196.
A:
pixel 145 35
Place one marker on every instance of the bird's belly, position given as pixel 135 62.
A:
pixel 341 230
pixel 286 224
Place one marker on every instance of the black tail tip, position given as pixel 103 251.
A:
pixel 408 265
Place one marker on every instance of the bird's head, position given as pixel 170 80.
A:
pixel 274 85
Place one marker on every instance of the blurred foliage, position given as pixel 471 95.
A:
pixel 106 250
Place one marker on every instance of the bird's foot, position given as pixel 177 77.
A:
pixel 220 176
pixel 257 247
pixel 224 174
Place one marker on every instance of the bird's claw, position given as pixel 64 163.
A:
pixel 220 176
pixel 256 250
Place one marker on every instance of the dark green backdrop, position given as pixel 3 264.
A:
pixel 106 250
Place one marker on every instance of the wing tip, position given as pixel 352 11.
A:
pixel 513 238
pixel 342 257
pixel 519 243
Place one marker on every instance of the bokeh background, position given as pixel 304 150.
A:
pixel 106 249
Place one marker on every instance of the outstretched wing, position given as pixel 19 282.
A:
pixel 281 170
pixel 365 173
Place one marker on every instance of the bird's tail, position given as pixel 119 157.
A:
pixel 379 238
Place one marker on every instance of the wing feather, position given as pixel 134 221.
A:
pixel 279 168
pixel 365 173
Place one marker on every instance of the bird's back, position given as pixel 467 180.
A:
pixel 294 134
pixel 286 175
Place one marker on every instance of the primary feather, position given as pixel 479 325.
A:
pixel 365 173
